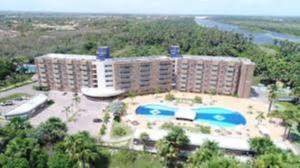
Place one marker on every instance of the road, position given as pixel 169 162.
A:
pixel 23 89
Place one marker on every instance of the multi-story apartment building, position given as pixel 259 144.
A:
pixel 102 76
pixel 220 75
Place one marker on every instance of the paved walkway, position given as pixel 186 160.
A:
pixel 83 121
pixel 23 89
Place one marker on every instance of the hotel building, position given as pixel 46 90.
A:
pixel 103 76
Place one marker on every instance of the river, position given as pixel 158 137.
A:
pixel 259 38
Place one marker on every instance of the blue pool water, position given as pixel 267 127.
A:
pixel 212 115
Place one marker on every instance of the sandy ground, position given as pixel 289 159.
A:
pixel 251 129
pixel 89 110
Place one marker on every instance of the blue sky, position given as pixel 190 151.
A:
pixel 228 7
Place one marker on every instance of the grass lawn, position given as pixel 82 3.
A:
pixel 12 97
pixel 129 159
pixel 27 80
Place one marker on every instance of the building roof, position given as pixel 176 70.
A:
pixel 134 59
pixel 27 107
pixel 148 58
pixel 69 56
pixel 101 92
pixel 224 142
pixel 219 58
pixel 185 114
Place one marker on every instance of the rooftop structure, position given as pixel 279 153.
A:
pixel 29 108
pixel 208 74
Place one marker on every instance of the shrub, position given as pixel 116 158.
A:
pixel 167 125
pixel 119 130
pixel 170 97
pixel 149 125
pixel 204 129
pixel 102 130
pixel 197 99
pixel 41 88
pixel 106 117
pixel 117 118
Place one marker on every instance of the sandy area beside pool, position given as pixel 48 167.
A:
pixel 272 126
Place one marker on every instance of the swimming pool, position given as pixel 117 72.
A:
pixel 211 115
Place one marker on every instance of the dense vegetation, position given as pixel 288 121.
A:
pixel 49 146
pixel 35 35
pixel 140 36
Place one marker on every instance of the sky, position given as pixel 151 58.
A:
pixel 206 7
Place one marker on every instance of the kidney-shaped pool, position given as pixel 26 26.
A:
pixel 211 115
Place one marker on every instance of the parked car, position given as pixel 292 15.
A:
pixel 9 103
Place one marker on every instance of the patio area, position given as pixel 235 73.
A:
pixel 256 126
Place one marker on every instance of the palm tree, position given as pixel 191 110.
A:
pixel 289 118
pixel 27 148
pixel 169 147
pixel 204 153
pixel 81 149
pixel 16 127
pixel 261 146
pixel 260 117
pixel 272 95
pixel 271 160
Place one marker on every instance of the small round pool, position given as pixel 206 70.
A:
pixel 211 115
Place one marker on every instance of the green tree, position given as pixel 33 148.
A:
pixel 262 146
pixel 12 162
pixel 59 160
pixel 269 160
pixel 204 153
pixel 290 117
pixel 51 131
pixel 260 117
pixel 27 148
pixel 169 147
pixel 81 149
pixel 220 162
pixel 17 127
pixel 272 95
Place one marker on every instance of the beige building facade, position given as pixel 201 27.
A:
pixel 107 77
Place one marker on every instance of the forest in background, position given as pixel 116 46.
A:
pixel 32 35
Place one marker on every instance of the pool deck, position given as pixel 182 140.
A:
pixel 271 127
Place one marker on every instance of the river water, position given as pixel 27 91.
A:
pixel 259 38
